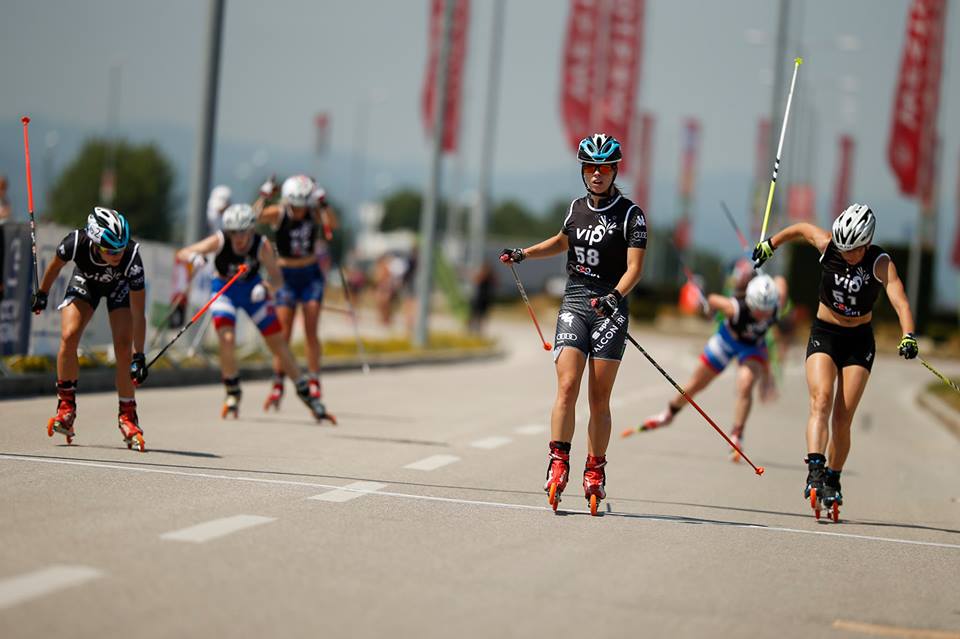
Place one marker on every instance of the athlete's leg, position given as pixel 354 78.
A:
pixel 748 372
pixel 286 315
pixel 852 380
pixel 601 377
pixel 121 325
pixel 227 336
pixel 281 353
pixel 311 325
pixel 821 376
pixel 700 379
pixel 73 320
pixel 570 364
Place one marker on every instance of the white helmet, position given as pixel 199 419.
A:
pixel 854 227
pixel 296 190
pixel 239 217
pixel 762 293
pixel 219 198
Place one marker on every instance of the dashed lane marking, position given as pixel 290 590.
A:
pixel 530 429
pixel 466 502
pixel 433 462
pixel 350 491
pixel 31 585
pixel 893 631
pixel 209 530
pixel 489 443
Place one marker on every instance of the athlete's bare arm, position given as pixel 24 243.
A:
pixel 721 304
pixel 634 270
pixel 269 260
pixel 138 305
pixel 50 275
pixel 886 272
pixel 812 235
pixel 550 246
pixel 267 214
pixel 327 217
pixel 208 244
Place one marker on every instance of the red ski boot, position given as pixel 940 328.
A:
pixel 62 422
pixel 315 392
pixel 129 425
pixel 736 436
pixel 594 481
pixel 276 394
pixel 558 471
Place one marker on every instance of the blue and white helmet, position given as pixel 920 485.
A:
pixel 599 148
pixel 854 227
pixel 107 228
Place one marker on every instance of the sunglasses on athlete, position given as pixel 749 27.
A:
pixel 590 169
pixel 113 252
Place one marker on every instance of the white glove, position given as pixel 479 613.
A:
pixel 268 188
pixel 258 294
pixel 198 261
pixel 318 197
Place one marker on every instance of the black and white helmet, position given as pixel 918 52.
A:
pixel 297 189
pixel 762 293
pixel 854 227
pixel 239 217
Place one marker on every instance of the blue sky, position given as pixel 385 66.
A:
pixel 285 61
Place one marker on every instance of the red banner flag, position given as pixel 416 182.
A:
pixel 841 193
pixel 455 63
pixel 688 159
pixel 321 123
pixel 917 98
pixel 601 69
pixel 800 202
pixel 644 169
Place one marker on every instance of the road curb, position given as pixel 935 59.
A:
pixel 36 384
pixel 942 411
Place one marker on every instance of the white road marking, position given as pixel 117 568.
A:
pixel 468 502
pixel 350 491
pixel 433 462
pixel 31 585
pixel 202 533
pixel 530 429
pixel 490 443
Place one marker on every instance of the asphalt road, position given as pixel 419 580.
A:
pixel 238 528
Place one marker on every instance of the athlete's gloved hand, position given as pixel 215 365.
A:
pixel 607 305
pixel 512 255
pixel 198 261
pixel 138 368
pixel 39 302
pixel 762 253
pixel 258 294
pixel 908 348
pixel 319 197
pixel 268 188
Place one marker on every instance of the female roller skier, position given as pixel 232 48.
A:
pixel 106 265
pixel 841 348
pixel 235 245
pixel 742 335
pixel 605 236
pixel 296 220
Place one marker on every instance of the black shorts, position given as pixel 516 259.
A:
pixel 579 326
pixel 846 346
pixel 81 288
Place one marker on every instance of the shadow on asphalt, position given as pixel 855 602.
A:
pixel 393 440
pixel 184 453
pixel 538 493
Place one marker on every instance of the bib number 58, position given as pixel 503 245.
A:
pixel 590 256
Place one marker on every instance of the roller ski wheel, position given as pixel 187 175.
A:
pixel 815 503
pixel 231 406
pixel 737 438
pixel 835 512
pixel 57 425
pixel 553 497
pixel 316 407
pixel 594 503
pixel 831 499
pixel 594 480
pixel 273 399
pixel 660 420
pixel 130 430
pixel 558 471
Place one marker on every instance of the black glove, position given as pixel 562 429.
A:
pixel 762 253
pixel 908 348
pixel 512 255
pixel 39 303
pixel 607 305
pixel 138 368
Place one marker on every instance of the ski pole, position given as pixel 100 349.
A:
pixel 203 309
pixel 526 300
pixel 33 224
pixel 683 393
pixel 361 351
pixel 736 227
pixel 943 378
pixel 776 165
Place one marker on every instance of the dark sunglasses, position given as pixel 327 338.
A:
pixel 114 252
pixel 605 169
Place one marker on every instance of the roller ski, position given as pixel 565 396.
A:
pixel 62 422
pixel 831 497
pixel 594 481
pixel 558 471
pixel 813 491
pixel 231 403
pixel 129 426
pixel 316 407
pixel 652 423
pixel 276 394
